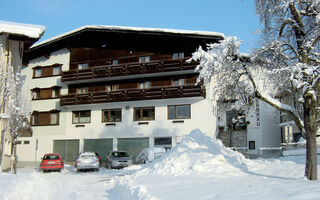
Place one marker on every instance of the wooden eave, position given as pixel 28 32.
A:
pixel 132 40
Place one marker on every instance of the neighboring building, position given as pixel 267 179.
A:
pixel 103 88
pixel 15 38
pixel 255 133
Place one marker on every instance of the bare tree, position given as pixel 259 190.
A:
pixel 14 106
pixel 287 64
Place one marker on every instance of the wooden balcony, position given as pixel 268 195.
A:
pixel 132 95
pixel 127 69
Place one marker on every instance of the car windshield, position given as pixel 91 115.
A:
pixel 119 154
pixel 51 157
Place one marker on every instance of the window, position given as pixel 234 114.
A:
pixel 115 62
pixel 56 70
pixel 165 142
pixel 144 59
pixel 45 93
pixel 142 114
pixel 179 82
pixel 252 145
pixel 18 142
pixel 38 72
pixel 83 66
pixel 81 117
pixel 112 87
pixel 45 118
pixel 47 71
pixel 26 142
pixel 111 115
pixel 83 90
pixel 36 94
pixel 144 85
pixel 176 56
pixel 54 117
pixel 179 112
pixel 55 92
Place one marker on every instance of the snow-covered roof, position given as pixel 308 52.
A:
pixel 27 30
pixel 126 28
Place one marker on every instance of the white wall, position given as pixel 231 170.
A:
pixel 201 115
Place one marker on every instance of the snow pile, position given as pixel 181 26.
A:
pixel 197 153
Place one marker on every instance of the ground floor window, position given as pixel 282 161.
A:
pixel 111 115
pixel 179 112
pixel 83 116
pixel 165 142
pixel 143 114
pixel 252 145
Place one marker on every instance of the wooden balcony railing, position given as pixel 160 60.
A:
pixel 132 95
pixel 128 69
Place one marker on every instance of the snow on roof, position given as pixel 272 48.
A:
pixel 28 30
pixel 126 28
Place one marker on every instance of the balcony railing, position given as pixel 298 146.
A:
pixel 132 95
pixel 128 69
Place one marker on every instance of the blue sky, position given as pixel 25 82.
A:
pixel 230 17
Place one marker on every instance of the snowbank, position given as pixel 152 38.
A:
pixel 197 153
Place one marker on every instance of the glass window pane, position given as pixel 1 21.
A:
pixel 175 56
pixel 115 115
pixel 136 114
pixel 183 112
pixel 35 119
pixel 175 83
pixel 83 66
pixel 181 81
pixel 141 59
pixel 38 73
pixel 171 112
pixel 55 93
pixel 181 55
pixel 115 62
pixel 148 114
pixel 56 70
pixel 75 117
pixel 36 94
pixel 147 84
pixel 147 58
pixel 85 116
pixel 54 118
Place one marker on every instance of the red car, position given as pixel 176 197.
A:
pixel 51 162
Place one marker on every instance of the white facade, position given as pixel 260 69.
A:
pixel 201 116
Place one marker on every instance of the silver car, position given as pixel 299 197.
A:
pixel 118 159
pixel 87 160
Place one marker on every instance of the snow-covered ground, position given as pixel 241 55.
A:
pixel 198 168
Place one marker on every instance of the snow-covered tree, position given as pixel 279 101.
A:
pixel 286 64
pixel 14 107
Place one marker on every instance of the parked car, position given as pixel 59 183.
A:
pixel 149 154
pixel 51 162
pixel 118 159
pixel 99 158
pixel 87 160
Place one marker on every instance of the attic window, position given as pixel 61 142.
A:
pixel 176 56
pixel 83 66
pixel 144 59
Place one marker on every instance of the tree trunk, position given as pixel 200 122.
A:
pixel 13 158
pixel 310 124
